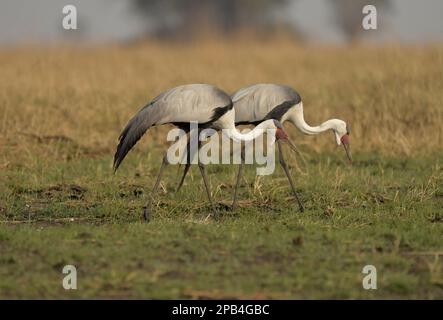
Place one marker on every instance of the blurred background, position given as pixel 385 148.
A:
pixel 85 84
pixel 333 21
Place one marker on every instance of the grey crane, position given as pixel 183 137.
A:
pixel 205 104
pixel 260 102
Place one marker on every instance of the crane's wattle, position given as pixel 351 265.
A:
pixel 280 134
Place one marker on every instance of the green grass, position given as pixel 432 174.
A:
pixel 384 211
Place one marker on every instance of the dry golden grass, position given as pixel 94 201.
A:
pixel 391 96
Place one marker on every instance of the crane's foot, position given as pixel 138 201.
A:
pixel 300 206
pixel 147 213
pixel 214 213
pixel 302 209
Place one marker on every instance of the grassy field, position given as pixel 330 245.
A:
pixel 62 109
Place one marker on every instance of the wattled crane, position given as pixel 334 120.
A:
pixel 202 103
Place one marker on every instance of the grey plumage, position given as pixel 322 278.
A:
pixel 279 111
pixel 179 105
pixel 263 101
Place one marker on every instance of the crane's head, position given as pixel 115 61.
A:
pixel 341 133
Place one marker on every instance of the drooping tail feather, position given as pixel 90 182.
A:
pixel 133 131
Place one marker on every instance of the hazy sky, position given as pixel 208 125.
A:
pixel 39 21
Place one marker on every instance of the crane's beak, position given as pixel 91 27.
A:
pixel 345 143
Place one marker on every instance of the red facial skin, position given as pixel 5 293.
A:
pixel 280 134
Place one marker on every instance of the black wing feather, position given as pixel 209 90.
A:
pixel 278 112
pixel 130 135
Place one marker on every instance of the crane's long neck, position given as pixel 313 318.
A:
pixel 251 135
pixel 298 120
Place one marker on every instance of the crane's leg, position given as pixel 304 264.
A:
pixel 147 208
pixel 285 168
pixel 202 171
pixel 187 166
pixel 201 166
pixel 239 175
